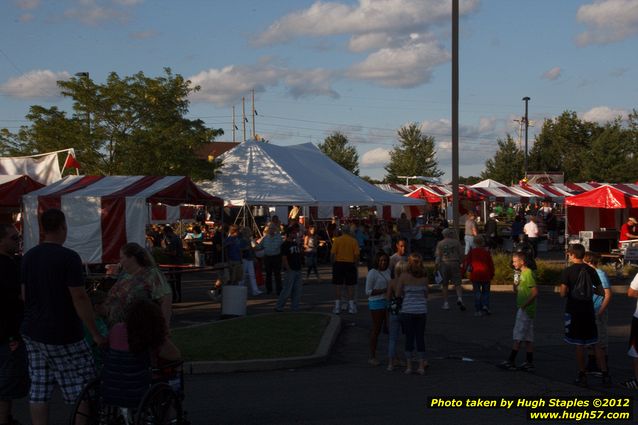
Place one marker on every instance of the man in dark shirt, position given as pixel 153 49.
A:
pixel 14 379
pixel 175 251
pixel 56 305
pixel 291 262
pixel 580 319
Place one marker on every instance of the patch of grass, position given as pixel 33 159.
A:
pixel 252 337
pixel 547 272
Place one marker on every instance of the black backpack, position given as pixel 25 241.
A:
pixel 584 288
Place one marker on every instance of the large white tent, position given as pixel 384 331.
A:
pixel 257 173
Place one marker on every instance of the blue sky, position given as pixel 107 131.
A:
pixel 364 68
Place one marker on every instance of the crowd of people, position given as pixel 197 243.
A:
pixel 54 332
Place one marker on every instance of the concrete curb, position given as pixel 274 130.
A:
pixel 328 339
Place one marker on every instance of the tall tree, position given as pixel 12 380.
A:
pixel 337 147
pixel 562 145
pixel 130 125
pixel 611 157
pixel 414 156
pixel 507 164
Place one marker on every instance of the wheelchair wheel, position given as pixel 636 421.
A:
pixel 90 414
pixel 160 405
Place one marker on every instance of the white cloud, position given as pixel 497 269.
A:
pixel 227 85
pixel 552 74
pixel 607 21
pixel 368 16
pixel 377 156
pixel 35 84
pixel 603 114
pixel 406 66
pixel 27 4
pixel 363 42
pixel 487 124
pixel 313 82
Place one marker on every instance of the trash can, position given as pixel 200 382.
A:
pixel 234 300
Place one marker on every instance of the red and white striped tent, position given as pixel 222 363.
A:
pixel 104 213
pixel 606 206
pixel 12 188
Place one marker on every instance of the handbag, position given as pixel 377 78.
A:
pixel 394 305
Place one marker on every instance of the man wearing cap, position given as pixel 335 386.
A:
pixel 628 230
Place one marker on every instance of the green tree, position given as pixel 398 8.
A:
pixel 337 148
pixel 507 164
pixel 563 145
pixel 414 156
pixel 130 125
pixel 612 156
pixel 469 180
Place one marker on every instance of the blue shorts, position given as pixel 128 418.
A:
pixel 378 304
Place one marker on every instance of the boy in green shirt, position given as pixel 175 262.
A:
pixel 526 293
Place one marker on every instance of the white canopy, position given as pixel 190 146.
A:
pixel 488 183
pixel 258 173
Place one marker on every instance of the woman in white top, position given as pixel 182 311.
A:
pixel 413 284
pixel 376 287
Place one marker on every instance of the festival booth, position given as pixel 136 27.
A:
pixel 263 174
pixel 598 214
pixel 12 188
pixel 104 213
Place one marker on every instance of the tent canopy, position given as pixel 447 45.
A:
pixel 606 196
pixel 422 193
pixel 257 173
pixel 104 213
pixel 488 183
pixel 12 188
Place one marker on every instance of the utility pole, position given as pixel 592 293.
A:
pixel 526 99
pixel 234 126
pixel 253 95
pixel 455 114
pixel 243 115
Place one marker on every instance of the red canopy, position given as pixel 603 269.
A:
pixel 13 187
pixel 422 193
pixel 607 197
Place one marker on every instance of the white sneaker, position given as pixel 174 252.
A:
pixel 352 307
pixel 445 306
pixel 337 308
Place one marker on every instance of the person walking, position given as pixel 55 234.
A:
pixel 248 261
pixel 413 286
pixel 311 246
pixel 448 257
pixel 377 282
pixel 480 265
pixel 56 305
pixel 598 361
pixel 175 252
pixel 471 231
pixel 632 292
pixel 291 262
pixel 580 319
pixel 14 376
pixel 271 244
pixel 344 256
pixel 395 302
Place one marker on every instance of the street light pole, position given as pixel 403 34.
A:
pixel 526 99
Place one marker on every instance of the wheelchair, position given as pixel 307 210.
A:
pixel 130 392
